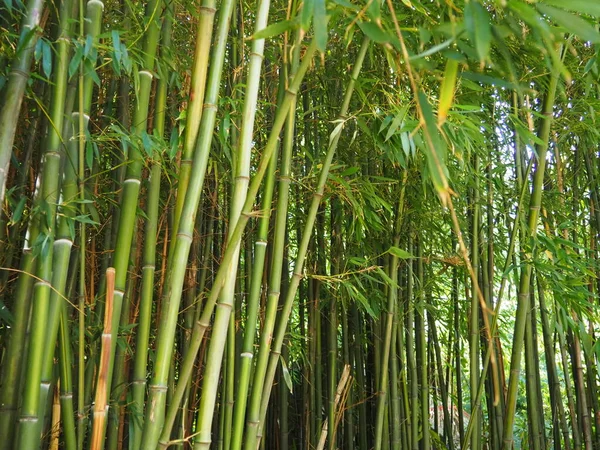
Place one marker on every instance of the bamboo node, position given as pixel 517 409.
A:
pixel 91 2
pixel 30 419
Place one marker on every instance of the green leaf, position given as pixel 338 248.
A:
pixel 447 89
pixel 374 9
pixel 286 376
pixel 486 79
pixel 320 25
pixel 399 253
pixel 432 50
pixel 274 29
pixel 374 32
pixel 530 16
pixel 307 14
pixel 572 23
pixel 84 218
pixel 18 212
pixel 588 7
pixel 349 171
pixel 396 123
pixel 477 23
pixel 346 4
pixel 46 58
pixel 117 54
pixel 435 150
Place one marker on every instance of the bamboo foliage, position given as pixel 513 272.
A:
pixel 281 224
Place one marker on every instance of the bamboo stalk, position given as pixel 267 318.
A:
pixel 101 397
pixel 523 304
pixel 182 249
pixel 303 247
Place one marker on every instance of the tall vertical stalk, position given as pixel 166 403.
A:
pixel 524 281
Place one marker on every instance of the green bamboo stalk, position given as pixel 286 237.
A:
pixel 196 100
pixel 242 173
pixel 335 253
pixel 149 253
pixel 279 233
pixel 63 243
pixel 15 87
pixel 348 353
pixel 155 415
pixel 131 184
pixel 247 354
pixel 523 304
pixel 35 392
pixel 421 340
pixel 568 383
pixel 182 250
pixel 531 372
pixel 474 336
pixel 465 437
pixel 66 383
pixel 253 431
pixel 410 354
pixel 387 347
pixel 558 412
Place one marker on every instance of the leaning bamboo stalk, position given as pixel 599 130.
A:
pixel 166 333
pixel 254 428
pixel 523 304
pixel 242 178
pixel 101 397
pixel 183 246
pixel 225 305
pixel 341 391
pixel 276 270
pixel 493 326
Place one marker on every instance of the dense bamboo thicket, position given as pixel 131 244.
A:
pixel 301 224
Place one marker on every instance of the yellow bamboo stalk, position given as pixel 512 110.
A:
pixel 100 403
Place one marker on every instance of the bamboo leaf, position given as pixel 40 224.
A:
pixel 346 4
pixel 572 23
pixel 320 26
pixel 307 14
pixel 274 29
pixel 374 10
pixel 434 49
pixel 434 150
pixel 18 211
pixel 477 23
pixel 374 32
pixel 399 253
pixel 46 58
pixel 591 8
pixel 447 89
pixel 286 376
pixel 530 16
pixel 396 123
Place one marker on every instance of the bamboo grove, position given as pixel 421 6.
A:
pixel 301 224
